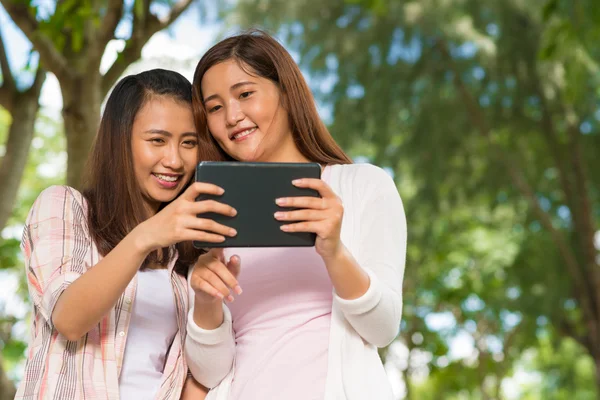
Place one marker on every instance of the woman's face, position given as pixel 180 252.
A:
pixel 245 115
pixel 165 149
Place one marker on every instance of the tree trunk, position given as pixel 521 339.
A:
pixel 82 98
pixel 20 134
pixel 7 387
pixel 13 163
pixel 597 361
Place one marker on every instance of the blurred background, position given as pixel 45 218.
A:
pixel 485 112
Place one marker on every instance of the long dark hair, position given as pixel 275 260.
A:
pixel 261 55
pixel 115 201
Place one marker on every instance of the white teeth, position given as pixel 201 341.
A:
pixel 242 134
pixel 167 178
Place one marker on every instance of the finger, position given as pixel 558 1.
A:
pixel 316 184
pixel 205 206
pixel 215 281
pixel 316 203
pixel 209 226
pixel 197 188
pixel 204 286
pixel 234 266
pixel 312 226
pixel 224 275
pixel 301 215
pixel 201 236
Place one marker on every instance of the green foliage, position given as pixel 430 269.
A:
pixel 568 373
pixel 449 95
pixel 9 249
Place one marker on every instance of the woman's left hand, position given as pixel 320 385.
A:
pixel 322 216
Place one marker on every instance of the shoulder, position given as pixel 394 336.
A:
pixel 367 176
pixel 62 202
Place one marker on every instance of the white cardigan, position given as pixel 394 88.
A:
pixel 374 231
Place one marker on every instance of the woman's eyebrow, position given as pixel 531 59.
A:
pixel 236 86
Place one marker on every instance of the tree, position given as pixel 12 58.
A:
pixel 467 105
pixel 71 40
pixel 45 166
pixel 23 106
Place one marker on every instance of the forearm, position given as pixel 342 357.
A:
pixel 91 296
pixel 210 353
pixel 192 390
pixel 208 315
pixel 349 280
pixel 372 309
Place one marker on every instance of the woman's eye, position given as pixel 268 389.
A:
pixel 213 109
pixel 157 140
pixel 245 95
pixel 190 143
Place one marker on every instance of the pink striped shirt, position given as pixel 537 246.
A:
pixel 58 249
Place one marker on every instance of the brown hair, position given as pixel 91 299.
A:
pixel 265 57
pixel 115 201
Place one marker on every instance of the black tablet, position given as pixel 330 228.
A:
pixel 251 188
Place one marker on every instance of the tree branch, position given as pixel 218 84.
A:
pixel 114 13
pixel 50 57
pixel 36 87
pixel 586 230
pixel 550 134
pixel 6 98
pixel 177 9
pixel 144 26
pixel 7 76
pixel 580 214
pixel 130 53
pixel 582 291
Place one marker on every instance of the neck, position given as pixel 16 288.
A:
pixel 287 153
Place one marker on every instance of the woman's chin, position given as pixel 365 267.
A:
pixel 249 157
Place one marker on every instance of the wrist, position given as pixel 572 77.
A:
pixel 338 257
pixel 208 315
pixel 206 300
pixel 140 241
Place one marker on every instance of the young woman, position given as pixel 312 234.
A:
pixel 309 320
pixel 106 268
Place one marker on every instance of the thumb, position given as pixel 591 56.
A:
pixel 234 265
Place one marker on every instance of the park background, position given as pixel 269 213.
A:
pixel 485 112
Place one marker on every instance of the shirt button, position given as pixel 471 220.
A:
pixel 127 301
pixel 35 226
pixel 121 333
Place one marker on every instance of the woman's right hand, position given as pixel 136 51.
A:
pixel 213 277
pixel 178 222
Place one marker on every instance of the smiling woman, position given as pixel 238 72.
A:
pixel 309 320
pixel 163 160
pixel 106 267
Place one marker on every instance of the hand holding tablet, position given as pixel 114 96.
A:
pixel 252 189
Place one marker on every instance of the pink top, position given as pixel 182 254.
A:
pixel 281 324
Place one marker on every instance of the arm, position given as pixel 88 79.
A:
pixel 69 293
pixel 93 294
pixel 368 286
pixel 381 253
pixel 210 342
pixel 192 390
pixel 210 353
pixel 76 295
